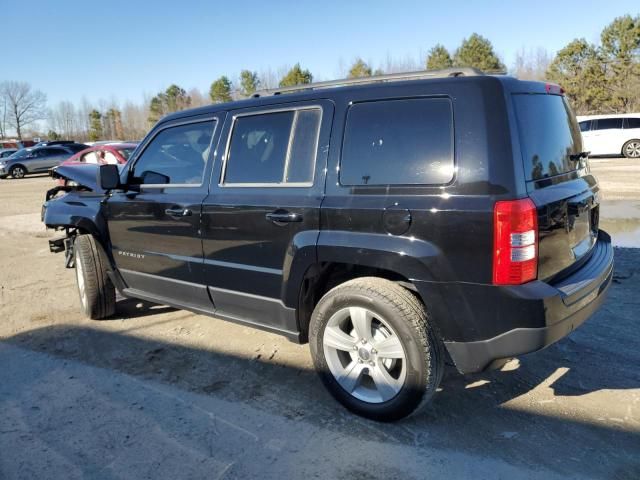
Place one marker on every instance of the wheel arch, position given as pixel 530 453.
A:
pixel 344 256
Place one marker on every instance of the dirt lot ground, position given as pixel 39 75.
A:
pixel 160 393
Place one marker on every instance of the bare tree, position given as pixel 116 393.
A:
pixel 3 117
pixel 63 119
pixel 531 64
pixel 25 105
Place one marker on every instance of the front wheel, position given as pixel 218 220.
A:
pixel 374 350
pixel 631 149
pixel 97 293
pixel 18 171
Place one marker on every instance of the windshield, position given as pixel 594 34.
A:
pixel 20 153
pixel 125 152
pixel 549 134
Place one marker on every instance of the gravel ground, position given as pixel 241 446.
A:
pixel 163 393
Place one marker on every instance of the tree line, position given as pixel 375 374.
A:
pixel 597 78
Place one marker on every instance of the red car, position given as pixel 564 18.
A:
pixel 102 154
pixel 115 153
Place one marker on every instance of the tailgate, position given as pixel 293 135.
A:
pixel 558 182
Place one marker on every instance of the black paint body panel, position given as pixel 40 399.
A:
pixel 228 259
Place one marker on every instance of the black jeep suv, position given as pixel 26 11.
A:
pixel 392 222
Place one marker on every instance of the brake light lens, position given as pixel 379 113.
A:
pixel 515 242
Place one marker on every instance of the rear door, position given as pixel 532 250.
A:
pixel 264 207
pixel 559 182
pixel 607 136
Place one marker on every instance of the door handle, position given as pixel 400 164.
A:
pixel 178 212
pixel 280 217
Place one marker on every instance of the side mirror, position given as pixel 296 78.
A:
pixel 108 177
pixel 150 177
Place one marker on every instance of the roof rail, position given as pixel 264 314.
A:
pixel 392 77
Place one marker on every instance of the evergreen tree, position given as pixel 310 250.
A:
pixel 438 58
pixel 476 51
pixel 578 68
pixel 220 90
pixel 296 76
pixel 359 69
pixel 249 82
pixel 620 52
pixel 95 125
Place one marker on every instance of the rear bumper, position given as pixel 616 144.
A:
pixel 541 314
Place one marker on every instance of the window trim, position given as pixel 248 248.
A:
pixel 135 160
pixel 266 111
pixel 598 120
pixel 402 185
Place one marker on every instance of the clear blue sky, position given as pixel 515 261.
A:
pixel 117 49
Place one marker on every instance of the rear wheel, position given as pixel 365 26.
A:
pixel 18 171
pixel 97 293
pixel 373 348
pixel 631 149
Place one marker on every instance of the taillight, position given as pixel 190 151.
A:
pixel 515 242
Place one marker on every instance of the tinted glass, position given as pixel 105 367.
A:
pixel 125 152
pixel 398 142
pixel 585 126
pixel 632 123
pixel 607 123
pixel 180 153
pixel 258 148
pixel 549 133
pixel 21 153
pixel 304 144
pixel 75 148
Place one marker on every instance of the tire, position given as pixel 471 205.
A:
pixel 97 293
pixel 631 149
pixel 357 373
pixel 17 171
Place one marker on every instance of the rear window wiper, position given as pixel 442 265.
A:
pixel 576 157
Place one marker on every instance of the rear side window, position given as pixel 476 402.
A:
pixel 273 148
pixel 549 134
pixel 632 123
pixel 398 142
pixel 608 123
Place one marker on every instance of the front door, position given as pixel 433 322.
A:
pixel 154 225
pixel 264 208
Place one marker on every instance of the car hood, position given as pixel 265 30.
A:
pixel 83 174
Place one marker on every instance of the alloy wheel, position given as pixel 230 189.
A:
pixel 364 355
pixel 632 149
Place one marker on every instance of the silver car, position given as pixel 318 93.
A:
pixel 37 159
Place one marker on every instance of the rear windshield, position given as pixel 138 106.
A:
pixel 549 134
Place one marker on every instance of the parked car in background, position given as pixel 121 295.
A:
pixel 48 143
pixel 113 153
pixel 116 153
pixel 5 152
pixel 37 159
pixel 611 134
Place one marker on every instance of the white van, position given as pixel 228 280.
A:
pixel 611 134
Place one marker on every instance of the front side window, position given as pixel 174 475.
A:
pixel 608 123
pixel 273 148
pixel 585 126
pixel 398 142
pixel 176 155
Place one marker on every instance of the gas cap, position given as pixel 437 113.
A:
pixel 396 220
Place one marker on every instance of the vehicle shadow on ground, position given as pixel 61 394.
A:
pixel 478 420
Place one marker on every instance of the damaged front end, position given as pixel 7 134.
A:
pixel 73 206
